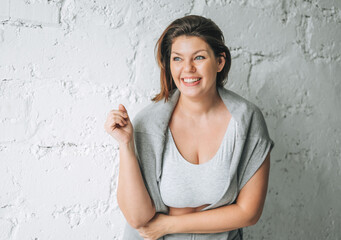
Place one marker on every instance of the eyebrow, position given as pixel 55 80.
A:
pixel 201 50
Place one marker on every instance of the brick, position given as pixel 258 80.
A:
pixel 4 10
pixel 324 39
pixel 36 13
pixel 249 28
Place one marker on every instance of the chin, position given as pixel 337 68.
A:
pixel 191 92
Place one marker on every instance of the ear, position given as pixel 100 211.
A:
pixel 221 61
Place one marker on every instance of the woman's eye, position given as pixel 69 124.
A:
pixel 199 57
pixel 176 59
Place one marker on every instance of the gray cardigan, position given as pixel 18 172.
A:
pixel 250 147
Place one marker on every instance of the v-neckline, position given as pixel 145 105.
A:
pixel 215 155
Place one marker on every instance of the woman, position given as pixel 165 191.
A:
pixel 196 165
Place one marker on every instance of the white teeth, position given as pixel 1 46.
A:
pixel 190 80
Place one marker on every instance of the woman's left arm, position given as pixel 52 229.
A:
pixel 245 212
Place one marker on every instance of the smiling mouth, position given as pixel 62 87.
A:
pixel 190 80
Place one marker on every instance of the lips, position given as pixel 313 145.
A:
pixel 190 81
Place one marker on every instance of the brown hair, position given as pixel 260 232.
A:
pixel 191 25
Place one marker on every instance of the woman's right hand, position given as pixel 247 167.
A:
pixel 119 126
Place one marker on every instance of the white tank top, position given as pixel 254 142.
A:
pixel 184 184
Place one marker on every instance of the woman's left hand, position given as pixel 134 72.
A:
pixel 157 227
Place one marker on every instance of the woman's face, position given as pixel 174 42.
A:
pixel 194 66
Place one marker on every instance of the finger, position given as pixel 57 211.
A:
pixel 118 120
pixel 121 123
pixel 116 126
pixel 118 112
pixel 117 117
pixel 122 108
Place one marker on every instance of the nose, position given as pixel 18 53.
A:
pixel 189 66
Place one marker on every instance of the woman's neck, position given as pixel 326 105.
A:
pixel 199 108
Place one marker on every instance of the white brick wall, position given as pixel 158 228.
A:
pixel 65 63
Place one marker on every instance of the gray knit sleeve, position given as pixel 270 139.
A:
pixel 256 147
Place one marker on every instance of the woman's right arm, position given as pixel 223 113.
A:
pixel 132 195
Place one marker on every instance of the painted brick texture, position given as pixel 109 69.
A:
pixel 64 64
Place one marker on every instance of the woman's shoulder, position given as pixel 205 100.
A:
pixel 237 104
pixel 145 117
pixel 154 117
pixel 248 115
